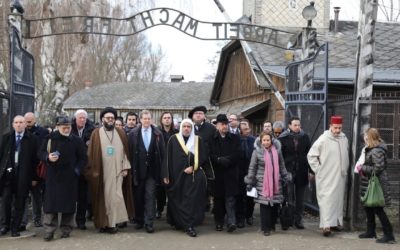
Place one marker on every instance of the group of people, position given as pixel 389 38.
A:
pixel 116 174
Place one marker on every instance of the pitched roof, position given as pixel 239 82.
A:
pixel 163 95
pixel 343 47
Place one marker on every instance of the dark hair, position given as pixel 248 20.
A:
pixel 294 118
pixel 264 134
pixel 267 121
pixel 164 113
pixel 120 118
pixel 130 113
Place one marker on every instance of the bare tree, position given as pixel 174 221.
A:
pixel 68 61
pixel 390 9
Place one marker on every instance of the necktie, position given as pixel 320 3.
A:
pixel 18 142
pixel 146 139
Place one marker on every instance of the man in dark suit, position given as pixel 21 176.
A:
pixel 36 191
pixel 146 147
pixel 225 154
pixel 82 128
pixel 18 161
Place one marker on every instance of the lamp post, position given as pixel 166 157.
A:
pixel 309 44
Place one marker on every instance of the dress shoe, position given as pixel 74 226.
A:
pixel 219 227
pixel 326 232
pixel 337 229
pixel 15 234
pixel 240 224
pixel 138 226
pixel 158 215
pixel 112 230
pixel 65 235
pixel 367 235
pixel 21 228
pixel 81 226
pixel 249 221
pixel 122 225
pixel 4 230
pixel 388 239
pixel 231 228
pixel 267 233
pixel 38 224
pixel 48 236
pixel 149 229
pixel 191 232
pixel 299 225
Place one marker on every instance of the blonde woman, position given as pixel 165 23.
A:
pixel 375 161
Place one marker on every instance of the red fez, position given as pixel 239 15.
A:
pixel 336 119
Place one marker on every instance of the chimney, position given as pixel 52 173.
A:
pixel 176 78
pixel 88 84
pixel 337 10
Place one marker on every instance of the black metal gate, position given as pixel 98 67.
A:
pixel 22 96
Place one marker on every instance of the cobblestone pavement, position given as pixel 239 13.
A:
pixel 166 238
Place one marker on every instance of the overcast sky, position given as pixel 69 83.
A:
pixel 189 56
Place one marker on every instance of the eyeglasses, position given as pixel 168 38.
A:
pixel 109 117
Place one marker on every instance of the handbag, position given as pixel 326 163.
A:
pixel 374 196
pixel 41 169
pixel 286 212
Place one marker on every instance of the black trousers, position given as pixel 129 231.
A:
pixel 224 206
pixel 296 196
pixel 37 193
pixel 244 207
pixel 12 202
pixel 145 201
pixel 82 201
pixel 161 198
pixel 268 216
pixel 386 226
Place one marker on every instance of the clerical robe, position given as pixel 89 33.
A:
pixel 186 192
pixel 329 159
pixel 111 194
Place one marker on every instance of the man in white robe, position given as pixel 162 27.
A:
pixel 329 159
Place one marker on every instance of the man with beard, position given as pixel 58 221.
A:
pixel 185 179
pixel 108 174
pixel 329 159
pixel 225 154
pixel 82 128
pixel 295 145
pixel 131 122
pixel 146 145
pixel 18 161
pixel 206 131
pixel 65 156
pixel 36 191
pixel 167 129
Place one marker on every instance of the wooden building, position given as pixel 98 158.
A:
pixel 176 97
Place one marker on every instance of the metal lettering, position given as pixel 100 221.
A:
pixel 132 22
pixel 148 17
pixel 234 28
pixel 166 16
pixel 67 24
pixel 217 25
pixel 259 34
pixel 247 32
pixel 192 24
pixel 153 17
pixel 88 27
pixel 179 20
pixel 105 25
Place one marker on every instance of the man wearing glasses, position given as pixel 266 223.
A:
pixel 109 174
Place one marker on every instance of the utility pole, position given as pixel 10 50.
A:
pixel 362 95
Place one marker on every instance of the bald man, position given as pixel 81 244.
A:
pixel 18 160
pixel 36 191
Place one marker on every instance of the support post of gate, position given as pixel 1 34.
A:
pixel 362 91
